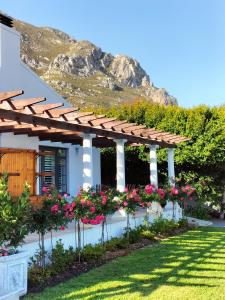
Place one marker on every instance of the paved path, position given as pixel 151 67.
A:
pixel 218 223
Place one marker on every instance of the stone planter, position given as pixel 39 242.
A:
pixel 13 275
pixel 155 209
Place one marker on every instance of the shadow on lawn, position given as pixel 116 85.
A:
pixel 178 261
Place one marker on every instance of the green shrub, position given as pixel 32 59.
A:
pixel 133 236
pixel 37 275
pixel 90 252
pixel 116 243
pixel 183 223
pixel 200 212
pixel 147 234
pixel 139 233
pixel 163 226
pixel 14 214
pixel 61 259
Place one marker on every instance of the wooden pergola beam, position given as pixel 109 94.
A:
pixel 56 113
pixel 37 120
pixel 41 108
pixel 11 94
pixel 22 103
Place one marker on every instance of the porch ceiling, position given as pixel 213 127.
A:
pixel 51 122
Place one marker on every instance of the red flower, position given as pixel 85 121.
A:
pixel 125 203
pixel 174 191
pixel 55 209
pixel 94 222
pixel 104 200
pixel 161 193
pixel 62 227
pixel 89 203
pixel 66 207
pixel 83 202
pixel 101 193
pixel 73 204
pixel 149 189
pixel 92 209
pixel 100 218
pixel 44 189
pixel 85 220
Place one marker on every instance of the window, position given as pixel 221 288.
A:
pixel 56 165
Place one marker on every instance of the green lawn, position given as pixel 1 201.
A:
pixel 190 266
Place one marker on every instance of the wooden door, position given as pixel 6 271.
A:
pixel 21 166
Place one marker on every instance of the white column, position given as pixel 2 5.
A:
pixel 120 165
pixel 87 161
pixel 153 166
pixel 171 170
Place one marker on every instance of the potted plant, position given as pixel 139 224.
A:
pixel 14 212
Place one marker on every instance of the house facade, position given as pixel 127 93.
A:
pixel 64 165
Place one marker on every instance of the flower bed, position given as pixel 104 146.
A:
pixel 66 263
pixel 54 211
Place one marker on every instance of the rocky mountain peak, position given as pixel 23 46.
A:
pixel 128 71
pixel 83 72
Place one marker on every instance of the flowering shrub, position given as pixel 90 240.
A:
pixel 53 212
pixel 127 200
pixel 92 207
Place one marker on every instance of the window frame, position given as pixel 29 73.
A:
pixel 57 158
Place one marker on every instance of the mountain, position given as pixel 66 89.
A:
pixel 82 72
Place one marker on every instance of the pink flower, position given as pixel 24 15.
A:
pixel 73 204
pixel 101 193
pixel 62 227
pixel 83 202
pixel 85 220
pixel 174 191
pixel 134 192
pixel 126 190
pixel 161 193
pixel 93 194
pixel 142 204
pixel 94 222
pixel 66 207
pixel 149 189
pixel 100 218
pixel 137 199
pixel 44 189
pixel 89 203
pixel 92 209
pixel 125 203
pixel 55 209
pixel 104 200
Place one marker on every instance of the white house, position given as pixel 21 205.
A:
pixel 15 75
pixel 72 138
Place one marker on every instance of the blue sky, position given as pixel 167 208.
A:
pixel 180 43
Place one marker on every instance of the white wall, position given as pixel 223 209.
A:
pixel 74 167
pixel 15 75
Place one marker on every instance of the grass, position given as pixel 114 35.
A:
pixel 189 266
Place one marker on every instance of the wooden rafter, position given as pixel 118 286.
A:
pixel 8 95
pixel 48 121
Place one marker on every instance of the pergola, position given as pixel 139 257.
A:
pixel 69 125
